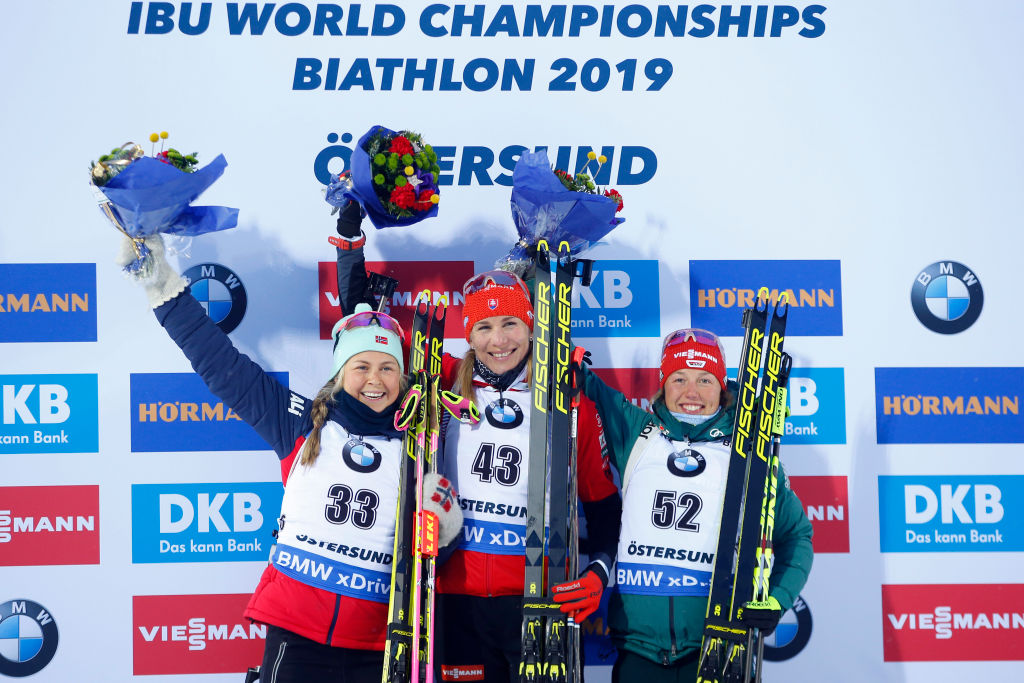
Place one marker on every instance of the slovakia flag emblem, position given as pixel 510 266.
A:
pixel 492 303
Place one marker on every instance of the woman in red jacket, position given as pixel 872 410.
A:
pixel 324 596
pixel 480 586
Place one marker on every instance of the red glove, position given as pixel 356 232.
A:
pixel 580 597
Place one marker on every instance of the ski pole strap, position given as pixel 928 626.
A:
pixel 460 407
pixel 407 411
pixel 584 269
pixel 379 288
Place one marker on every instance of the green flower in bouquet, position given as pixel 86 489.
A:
pixel 405 172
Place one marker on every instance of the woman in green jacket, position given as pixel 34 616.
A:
pixel 673 466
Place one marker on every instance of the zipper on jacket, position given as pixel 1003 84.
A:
pixel 672 623
pixel 488 564
pixel 334 619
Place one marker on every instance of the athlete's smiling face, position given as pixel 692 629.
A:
pixel 694 392
pixel 500 342
pixel 373 378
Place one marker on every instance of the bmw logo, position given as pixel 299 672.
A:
pixel 504 414
pixel 220 292
pixel 28 638
pixel 792 634
pixel 361 456
pixel 686 463
pixel 947 297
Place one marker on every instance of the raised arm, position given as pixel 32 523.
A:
pixel 276 414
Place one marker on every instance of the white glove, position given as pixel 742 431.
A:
pixel 160 281
pixel 440 498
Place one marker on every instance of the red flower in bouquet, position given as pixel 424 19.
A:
pixel 425 201
pixel 403 197
pixel 400 145
pixel 615 196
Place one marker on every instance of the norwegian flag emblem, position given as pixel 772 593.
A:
pixel 443 495
pixel 381 339
pixel 492 303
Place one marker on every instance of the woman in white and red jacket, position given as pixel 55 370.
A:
pixel 324 595
pixel 480 586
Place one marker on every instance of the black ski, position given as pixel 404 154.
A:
pixel 725 655
pixel 550 650
pixel 399 642
pixel 536 607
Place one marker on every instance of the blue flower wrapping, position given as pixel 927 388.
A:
pixel 543 208
pixel 361 188
pixel 150 197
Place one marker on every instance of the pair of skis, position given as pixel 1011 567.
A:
pixel 550 638
pixel 409 659
pixel 743 559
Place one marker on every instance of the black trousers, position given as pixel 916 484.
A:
pixel 479 639
pixel 290 658
pixel 632 668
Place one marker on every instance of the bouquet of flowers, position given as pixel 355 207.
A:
pixel 145 195
pixel 393 176
pixel 553 205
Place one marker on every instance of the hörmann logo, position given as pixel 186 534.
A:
pixel 230 522
pixel 194 634
pixel 47 302
pixel 951 513
pixel 443 278
pixel 621 301
pixel 826 501
pixel 719 290
pixel 176 412
pixel 49 525
pixel 965 622
pixel 49 414
pixel 947 297
pixel 949 405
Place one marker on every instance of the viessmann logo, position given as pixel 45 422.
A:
pixel 194 634
pixel 443 278
pixel 719 289
pixel 49 525
pixel 49 414
pixel 965 622
pixel 47 302
pixel 951 513
pixel 176 412
pixel 949 405
pixel 227 522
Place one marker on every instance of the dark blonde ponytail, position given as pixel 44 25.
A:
pixel 321 405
